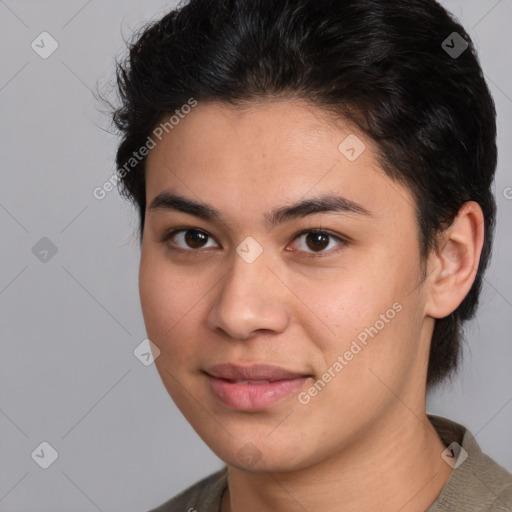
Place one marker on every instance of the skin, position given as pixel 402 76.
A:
pixel 363 442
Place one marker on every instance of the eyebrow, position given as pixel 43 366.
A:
pixel 328 203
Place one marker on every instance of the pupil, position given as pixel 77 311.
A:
pixel 195 238
pixel 317 241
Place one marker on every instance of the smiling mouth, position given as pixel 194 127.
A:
pixel 233 381
pixel 256 387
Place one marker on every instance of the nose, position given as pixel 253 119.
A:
pixel 249 299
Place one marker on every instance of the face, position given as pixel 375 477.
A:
pixel 280 280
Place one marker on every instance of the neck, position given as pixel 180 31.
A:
pixel 395 468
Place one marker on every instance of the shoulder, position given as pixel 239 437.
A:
pixel 203 496
pixel 477 482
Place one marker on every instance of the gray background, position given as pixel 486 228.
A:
pixel 69 325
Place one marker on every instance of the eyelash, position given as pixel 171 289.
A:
pixel 341 240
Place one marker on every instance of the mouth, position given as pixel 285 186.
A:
pixel 255 387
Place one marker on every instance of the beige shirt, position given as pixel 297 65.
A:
pixel 478 484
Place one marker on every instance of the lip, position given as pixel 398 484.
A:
pixel 255 387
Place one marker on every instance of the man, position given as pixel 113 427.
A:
pixel 314 186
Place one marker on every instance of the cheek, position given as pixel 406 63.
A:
pixel 368 310
pixel 344 304
pixel 167 298
pixel 155 296
pixel 170 305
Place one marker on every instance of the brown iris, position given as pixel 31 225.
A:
pixel 317 241
pixel 195 238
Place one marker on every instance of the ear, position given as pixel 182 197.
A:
pixel 452 267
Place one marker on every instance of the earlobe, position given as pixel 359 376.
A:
pixel 454 264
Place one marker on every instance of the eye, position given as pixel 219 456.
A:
pixel 316 241
pixel 312 241
pixel 190 239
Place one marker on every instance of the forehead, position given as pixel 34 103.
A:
pixel 250 159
